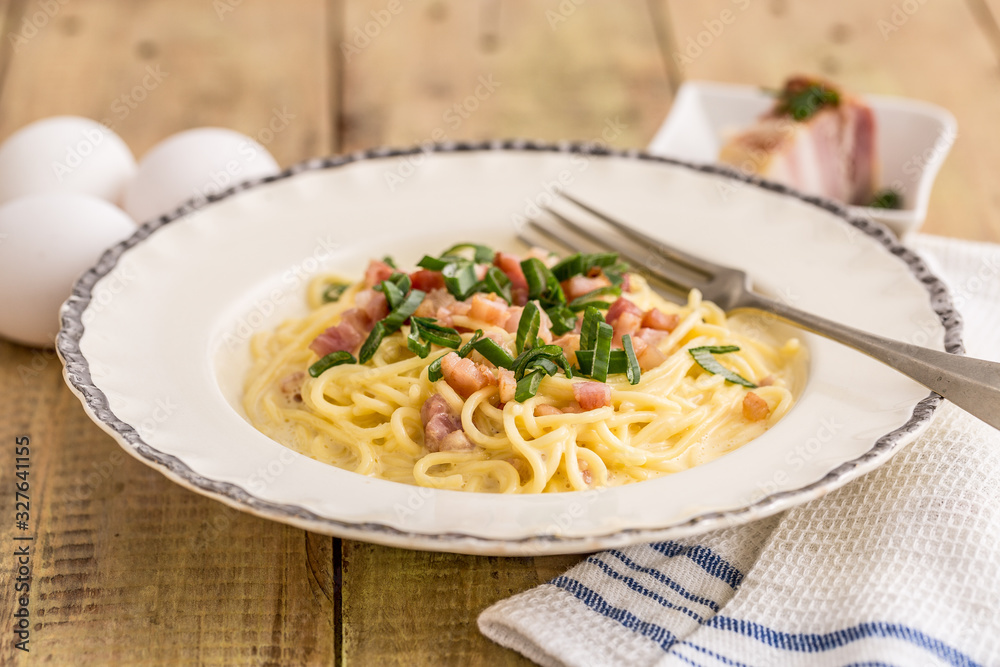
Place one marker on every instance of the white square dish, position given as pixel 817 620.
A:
pixel 913 139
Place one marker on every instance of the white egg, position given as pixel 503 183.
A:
pixel 193 165
pixel 46 242
pixel 65 154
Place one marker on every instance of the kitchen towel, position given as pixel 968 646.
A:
pixel 898 567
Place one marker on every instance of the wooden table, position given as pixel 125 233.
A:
pixel 128 567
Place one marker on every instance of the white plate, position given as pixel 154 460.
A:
pixel 154 339
pixel 913 139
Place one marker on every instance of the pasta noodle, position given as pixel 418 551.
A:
pixel 368 418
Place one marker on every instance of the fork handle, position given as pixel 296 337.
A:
pixel 971 384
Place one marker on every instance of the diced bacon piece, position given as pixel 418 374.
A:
pixel 649 336
pixel 766 381
pixel 489 308
pixel 626 282
pixel 619 308
pixel 377 272
pixel 627 323
pixel 592 395
pixel 456 441
pixel 337 339
pixel 507 385
pixel 545 410
pixel 654 318
pixel 425 280
pixel 481 270
pixel 754 407
pixel 511 266
pixel 570 343
pixel 464 376
pixel 460 308
pixel 514 319
pixel 291 386
pixel 651 357
pixel 435 300
pixel 579 285
pixel 439 422
pixel 372 304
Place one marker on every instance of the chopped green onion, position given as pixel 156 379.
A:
pixel 581 302
pixel 544 364
pixel 563 319
pixel 600 305
pixel 419 347
pixel 433 332
pixel 460 279
pixel 581 264
pixel 496 281
pixel 535 273
pixel 527 328
pixel 482 255
pixel 618 362
pixel 632 372
pixel 588 332
pixel 329 361
pixel 434 370
pixel 371 343
pixel 334 291
pixel 434 264
pixel 402 312
pixel 703 357
pixel 528 386
pixel 469 346
pixel 393 295
pixel 390 261
pixel 602 352
pixel 495 354
pixel 523 361
pixel 888 199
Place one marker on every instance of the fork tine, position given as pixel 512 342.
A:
pixel 691 262
pixel 680 284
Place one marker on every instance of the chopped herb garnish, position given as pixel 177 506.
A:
pixel 482 254
pixel 434 370
pixel 433 332
pixel 434 263
pixel 419 347
pixel 460 279
pixel 618 362
pixel 563 319
pixel 588 332
pixel 703 356
pixel 602 352
pixel 497 282
pixel 632 372
pixel 583 263
pixel 493 353
pixel 542 283
pixel 802 99
pixel 329 361
pixel 527 328
pixel 527 386
pixel 334 291
pixel 590 298
pixel 888 199
pixel 466 349
pixel 369 347
pixel 389 261
pixel 402 312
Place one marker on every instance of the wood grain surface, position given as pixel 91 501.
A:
pixel 128 567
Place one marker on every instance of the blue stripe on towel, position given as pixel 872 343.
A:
pixel 642 590
pixel 664 579
pixel 814 643
pixel 802 642
pixel 712 563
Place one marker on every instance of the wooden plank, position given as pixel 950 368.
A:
pixel 545 70
pixel 151 69
pixel 129 567
pixel 869 47
pixel 550 70
pixel 419 608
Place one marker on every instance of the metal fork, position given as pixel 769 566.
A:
pixel 972 384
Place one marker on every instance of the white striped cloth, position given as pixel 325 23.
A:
pixel 899 567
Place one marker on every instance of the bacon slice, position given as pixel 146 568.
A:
pixel 654 318
pixel 377 272
pixel 355 325
pixel 754 407
pixel 511 266
pixel 592 395
pixel 442 428
pixel 831 154
pixel 507 385
pixel 489 308
pixel 426 280
pixel 579 285
pixel 464 376
pixel 620 307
